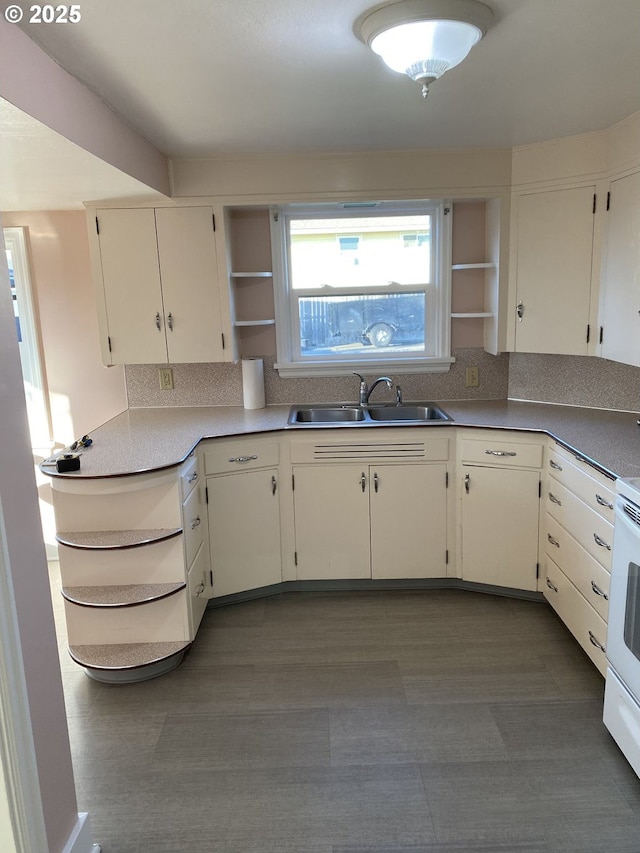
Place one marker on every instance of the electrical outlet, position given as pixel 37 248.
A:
pixel 471 377
pixel 166 378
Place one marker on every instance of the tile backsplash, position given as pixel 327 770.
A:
pixel 574 380
pixel 221 384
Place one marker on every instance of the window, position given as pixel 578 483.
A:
pixel 362 287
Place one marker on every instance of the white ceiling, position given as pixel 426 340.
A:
pixel 203 78
pixel 207 78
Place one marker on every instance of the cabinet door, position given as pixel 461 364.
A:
pixel 189 272
pixel 331 505
pixel 621 302
pixel 500 511
pixel 408 521
pixel 131 281
pixel 244 531
pixel 553 277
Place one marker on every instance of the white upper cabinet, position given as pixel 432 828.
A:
pixel 620 317
pixel 158 275
pixel 553 270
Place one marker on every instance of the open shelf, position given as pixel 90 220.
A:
pixel 254 322
pixel 123 661
pixel 482 266
pixel 125 595
pixel 466 314
pixel 251 275
pixel 112 539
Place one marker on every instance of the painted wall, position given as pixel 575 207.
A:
pixel 26 561
pixel 83 393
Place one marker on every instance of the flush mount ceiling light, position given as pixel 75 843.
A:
pixel 424 38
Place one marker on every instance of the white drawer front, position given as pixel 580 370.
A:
pixel 596 491
pixel 239 456
pixel 498 452
pixel 193 524
pixel 584 524
pixel 585 572
pixel 188 477
pixel 589 629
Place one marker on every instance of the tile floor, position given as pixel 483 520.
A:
pixel 377 722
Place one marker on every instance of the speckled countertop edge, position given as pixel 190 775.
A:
pixel 143 440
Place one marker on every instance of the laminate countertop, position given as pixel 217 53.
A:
pixel 142 440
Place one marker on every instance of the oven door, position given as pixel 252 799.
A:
pixel 623 637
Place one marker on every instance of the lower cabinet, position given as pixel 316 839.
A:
pixel 243 508
pixel 500 508
pixel 368 519
pixel 577 541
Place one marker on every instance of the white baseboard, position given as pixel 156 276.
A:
pixel 81 839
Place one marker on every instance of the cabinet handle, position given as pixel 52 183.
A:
pixel 555 465
pixel 501 452
pixel 192 478
pixel 195 523
pixel 363 481
pixel 601 542
pixel 598 591
pixel 466 483
pixel 375 481
pixel 242 459
pixel 520 311
pixel 170 321
pixel 554 499
pixel 552 540
pixel 200 589
pixel 274 485
pixel 552 585
pixel 603 502
pixel 594 642
pixel 158 322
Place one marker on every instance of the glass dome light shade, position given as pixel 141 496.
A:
pixel 426 48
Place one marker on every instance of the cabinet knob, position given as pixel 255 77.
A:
pixel 192 478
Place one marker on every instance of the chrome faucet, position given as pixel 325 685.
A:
pixel 366 390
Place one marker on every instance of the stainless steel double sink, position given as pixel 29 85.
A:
pixel 347 414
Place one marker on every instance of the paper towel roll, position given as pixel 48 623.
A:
pixel 253 383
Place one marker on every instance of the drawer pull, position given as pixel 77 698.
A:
pixel 603 502
pixel 594 642
pixel 598 591
pixel 241 459
pixel 552 585
pixel 555 465
pixel 192 478
pixel 501 452
pixel 200 589
pixel 554 499
pixel 195 523
pixel 601 542
pixel 552 540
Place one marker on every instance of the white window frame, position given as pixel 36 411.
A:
pixel 290 363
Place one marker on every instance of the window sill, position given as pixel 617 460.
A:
pixel 435 364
